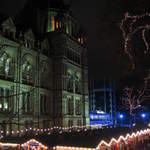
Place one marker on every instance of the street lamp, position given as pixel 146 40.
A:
pixel 121 116
pixel 143 115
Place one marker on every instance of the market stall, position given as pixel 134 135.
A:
pixel 33 145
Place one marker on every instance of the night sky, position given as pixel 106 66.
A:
pixel 100 19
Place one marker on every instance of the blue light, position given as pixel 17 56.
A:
pixel 143 115
pixel 121 116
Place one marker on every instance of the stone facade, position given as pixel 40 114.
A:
pixel 43 75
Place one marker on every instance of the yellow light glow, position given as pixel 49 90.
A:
pixel 113 140
pixel 72 148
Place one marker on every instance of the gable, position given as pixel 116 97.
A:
pixel 9 24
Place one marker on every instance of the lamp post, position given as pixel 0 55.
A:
pixel 121 116
pixel 143 115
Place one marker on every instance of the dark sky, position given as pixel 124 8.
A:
pixel 100 19
pixel 103 35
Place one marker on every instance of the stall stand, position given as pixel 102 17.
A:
pixel 33 145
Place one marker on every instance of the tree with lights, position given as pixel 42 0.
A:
pixel 133 99
pixel 135 30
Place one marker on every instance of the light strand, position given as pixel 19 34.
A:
pixel 130 30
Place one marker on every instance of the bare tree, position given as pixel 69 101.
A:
pixel 133 98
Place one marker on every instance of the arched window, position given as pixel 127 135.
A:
pixel 1 99
pixel 26 102
pixel 27 72
pixel 58 24
pixel 70 106
pixel 77 83
pixel 44 74
pixel 43 104
pixel 81 40
pixel 6 65
pixel 78 107
pixel 70 82
pixel 51 21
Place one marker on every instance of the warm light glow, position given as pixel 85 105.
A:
pixel 9 144
pixel 35 141
pixel 72 148
pixel 113 140
pixel 53 23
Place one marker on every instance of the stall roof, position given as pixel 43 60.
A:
pixel 90 138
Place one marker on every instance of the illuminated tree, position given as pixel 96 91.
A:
pixel 132 28
pixel 133 98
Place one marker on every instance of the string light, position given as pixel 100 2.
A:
pixel 100 145
pixel 129 31
pixel 37 131
pixel 113 140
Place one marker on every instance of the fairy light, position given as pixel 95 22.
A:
pixel 33 140
pixel 131 30
pixel 102 143
pixel 113 140
pixel 72 148
pixel 37 131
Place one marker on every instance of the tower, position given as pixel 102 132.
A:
pixel 70 78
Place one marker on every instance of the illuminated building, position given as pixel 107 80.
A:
pixel 102 97
pixel 43 68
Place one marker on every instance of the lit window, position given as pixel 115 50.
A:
pixel 7 66
pixel 53 23
pixel 57 24
pixel 79 40
pixel 5 105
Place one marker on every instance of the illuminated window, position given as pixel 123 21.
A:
pixel 69 27
pixel 79 40
pixel 58 24
pixel 53 23
pixel 5 100
pixel 6 65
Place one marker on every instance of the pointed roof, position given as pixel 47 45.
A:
pixel 9 22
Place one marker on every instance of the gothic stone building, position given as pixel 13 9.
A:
pixel 43 68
